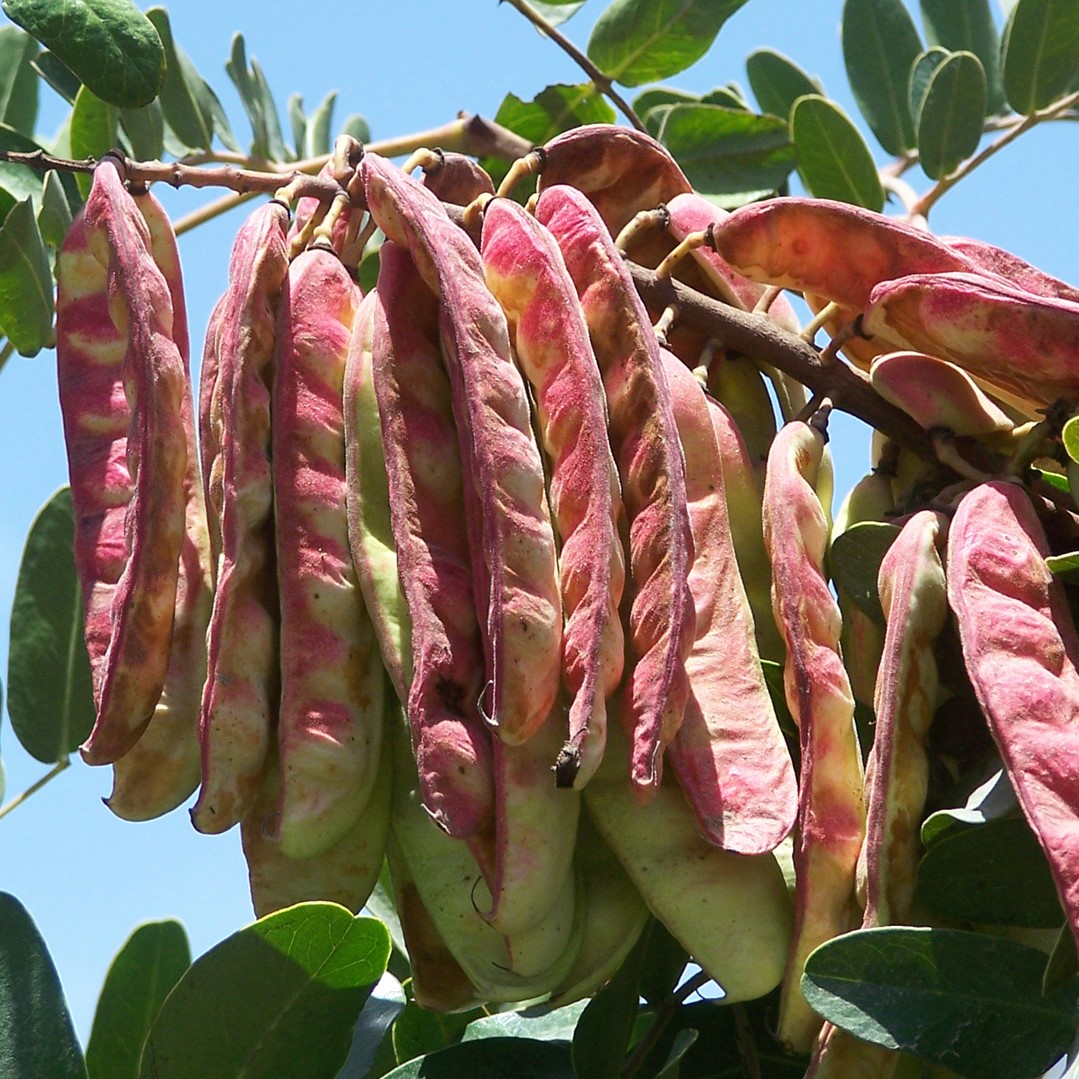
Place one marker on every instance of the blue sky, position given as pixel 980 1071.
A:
pixel 88 878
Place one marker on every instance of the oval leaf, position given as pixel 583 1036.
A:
pixel 36 1034
pixel 280 997
pixel 639 41
pixel 385 1003
pixel 557 12
pixel 49 697
pixel 26 303
pixel 151 962
pixel 952 115
pixel 990 800
pixel 855 560
pixel 179 103
pixel 729 156
pixel 921 73
pixel 833 158
pixel 553 1026
pixel 778 82
pixel 967 25
pixel 969 1002
pixel 880 45
pixel 18 80
pixel 491 1058
pixel 994 873
pixel 94 124
pixel 109 44
pixel 1041 53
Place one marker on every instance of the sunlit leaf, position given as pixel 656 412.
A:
pixel 833 158
pixel 557 12
pixel 920 74
pixel 967 1001
pixel 297 121
pixel 94 126
pixel 729 156
pixel 1041 52
pixel 280 997
pixel 639 41
pixel 145 131
pixel 151 962
pixel 320 129
pixel 54 217
pixel 968 25
pixel 250 98
pixel 37 1038
pixel 58 75
pixel 357 127
pixel 109 44
pixel 49 697
pixel 880 44
pixel 778 82
pixel 729 97
pixel 952 115
pixel 26 304
pixel 18 80
pixel 552 1026
pixel 179 104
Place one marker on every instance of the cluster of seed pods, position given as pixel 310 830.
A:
pixel 482 566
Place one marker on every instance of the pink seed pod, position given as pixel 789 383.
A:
pixel 1025 344
pixel 833 249
pixel 209 450
pixel 240 698
pixel 515 576
pixel 455 178
pixel 729 754
pixel 451 745
pixel 162 769
pixel 622 171
pixel 644 438
pixel 1020 648
pixel 527 276
pixel 831 808
pixel 121 378
pixel 936 393
pixel 1000 263
pixel 332 679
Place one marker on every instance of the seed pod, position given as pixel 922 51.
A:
pixel 1019 272
pixel 514 567
pixel 332 681
pixel 162 769
pixel 644 438
pixel 1024 344
pixel 525 271
pixel 121 380
pixel 423 471
pixel 621 170
pixel 239 701
pixel 1020 649
pixel 455 178
pixel 209 450
pixel 729 754
pixel 833 249
pixel 831 810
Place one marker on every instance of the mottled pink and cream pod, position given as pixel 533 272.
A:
pixel 1021 653
pixel 514 563
pixel 451 745
pixel 526 274
pixel 644 439
pixel 240 698
pixel 122 382
pixel 729 754
pixel 831 807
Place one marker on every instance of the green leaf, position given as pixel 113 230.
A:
pixel 967 1001
pixel 778 82
pixel 18 80
pixel 653 105
pixel 49 696
pixel 383 1006
pixel 179 102
pixel 145 131
pixel 967 25
pixel 54 217
pixel 18 182
pixel 1054 479
pixel 664 962
pixel 491 1058
pixel 94 125
pixel 250 98
pixel 1064 566
pixel 557 12
pixel 26 305
pixel 1070 437
pixel 58 75
pixel 1041 53
pixel 730 157
pixel 952 115
pixel 833 158
pixel 357 127
pixel 150 963
pixel 880 45
pixel 109 44
pixel 557 1025
pixel 683 1042
pixel 729 97
pixel 418 1032
pixel 639 41
pixel 991 800
pixel 920 74
pixel 773 679
pixel 1063 961
pixel 274 139
pixel 605 1026
pixel 297 121
pixel 320 129
pixel 855 560
pixel 279 997
pixel 37 1038
pixel 994 873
